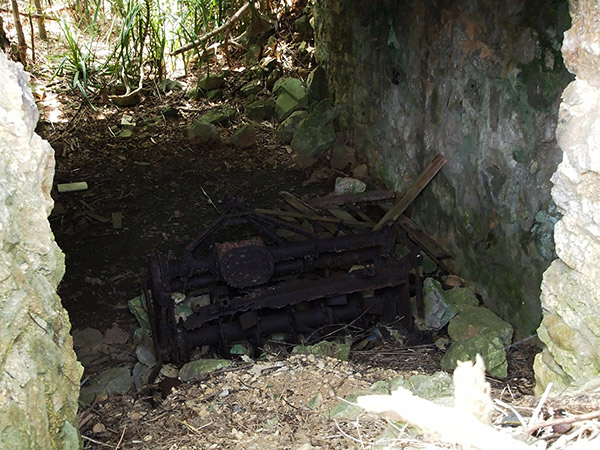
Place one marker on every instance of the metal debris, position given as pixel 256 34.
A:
pixel 305 286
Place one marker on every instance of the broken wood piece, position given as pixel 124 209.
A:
pixel 422 180
pixel 345 216
pixel 271 212
pixel 117 220
pixel 304 208
pixel 337 200
pixel 428 244
pixel 72 187
pixel 97 217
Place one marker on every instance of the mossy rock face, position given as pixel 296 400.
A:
pixel 499 118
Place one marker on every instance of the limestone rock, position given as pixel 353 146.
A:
pixel 312 140
pixel 436 310
pixel 292 95
pixel 251 88
pixel 477 321
pixel 349 185
pixel 39 373
pixel 260 110
pixel 570 328
pixel 117 380
pixel 218 115
pixel 201 132
pixel 193 369
pixel 477 330
pixel 361 172
pixel 497 130
pixel 490 349
pixel 211 82
pixel 116 335
pixel 285 130
pixel 244 137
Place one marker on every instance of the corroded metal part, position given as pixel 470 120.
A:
pixel 305 286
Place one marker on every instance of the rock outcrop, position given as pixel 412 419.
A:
pixel 39 373
pixel 570 327
pixel 480 83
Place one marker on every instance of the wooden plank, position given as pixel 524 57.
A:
pixel 337 200
pixel 422 180
pixel 304 208
pixel 429 245
pixel 316 218
pixel 345 216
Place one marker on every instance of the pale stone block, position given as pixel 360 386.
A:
pixel 577 246
pixel 578 132
pixel 571 323
pixel 39 374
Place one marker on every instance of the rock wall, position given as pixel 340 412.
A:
pixel 39 374
pixel 571 288
pixel 480 83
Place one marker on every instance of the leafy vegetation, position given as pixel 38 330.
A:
pixel 123 43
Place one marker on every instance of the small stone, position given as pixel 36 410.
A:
pixel 491 349
pixel 111 381
pixel 244 137
pixel 116 335
pixel 343 157
pixel 218 115
pixel 145 355
pixel 285 130
pixel 98 428
pixel 193 369
pixel 361 172
pixel 260 110
pixel 251 88
pixel 348 185
pixel 201 132
pixel 87 338
pixel 211 82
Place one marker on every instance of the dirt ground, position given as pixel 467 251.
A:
pixel 166 191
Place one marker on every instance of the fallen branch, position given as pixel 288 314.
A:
pixel 214 32
pixel 562 421
pixel 422 180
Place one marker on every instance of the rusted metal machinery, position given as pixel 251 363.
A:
pixel 303 285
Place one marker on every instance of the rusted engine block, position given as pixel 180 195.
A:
pixel 304 285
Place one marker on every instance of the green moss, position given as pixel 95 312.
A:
pixel 435 108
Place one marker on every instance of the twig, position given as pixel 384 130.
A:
pixel 562 421
pixel 95 441
pixel 210 200
pixel 207 36
pixel 191 427
pixel 535 416
pixel 120 439
pixel 514 411
pixel 347 436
